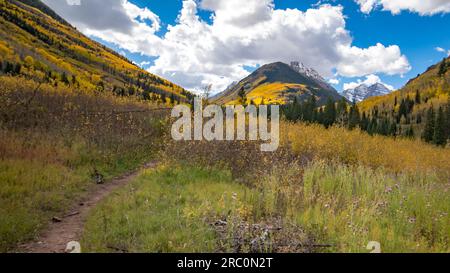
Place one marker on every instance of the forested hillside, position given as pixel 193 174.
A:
pixel 35 42
pixel 70 110
pixel 419 110
pixel 277 83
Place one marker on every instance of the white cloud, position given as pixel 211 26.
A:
pixel 423 7
pixel 357 62
pixel 442 50
pixel 242 33
pixel 119 22
pixel 334 81
pixel 367 5
pixel 369 80
pixel 145 63
pixel 239 13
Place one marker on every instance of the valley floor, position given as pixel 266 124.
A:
pixel 324 190
pixel 330 208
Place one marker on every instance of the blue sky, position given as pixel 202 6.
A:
pixel 418 36
pixel 415 32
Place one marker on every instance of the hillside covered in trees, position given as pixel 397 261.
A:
pixel 277 83
pixel 36 43
pixel 419 110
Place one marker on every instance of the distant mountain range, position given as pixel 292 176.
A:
pixel 364 91
pixel 279 83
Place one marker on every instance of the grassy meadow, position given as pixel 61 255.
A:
pixel 323 190
pixel 51 142
pixel 315 194
pixel 70 109
pixel 166 210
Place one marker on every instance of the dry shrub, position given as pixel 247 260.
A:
pixel 52 139
pixel 243 158
pixel 66 115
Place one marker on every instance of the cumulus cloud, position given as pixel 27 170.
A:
pixel 357 62
pixel 367 6
pixel 119 22
pixel 144 64
pixel 423 7
pixel 239 13
pixel 193 52
pixel 369 80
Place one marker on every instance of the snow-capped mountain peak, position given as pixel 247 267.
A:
pixel 311 73
pixel 307 71
pixel 363 92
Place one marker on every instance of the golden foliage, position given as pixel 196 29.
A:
pixel 432 87
pixel 272 93
pixel 51 139
pixel 59 48
pixel 358 148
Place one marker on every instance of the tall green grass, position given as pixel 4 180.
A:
pixel 338 194
pixel 37 187
pixel 51 141
pixel 169 209
pixel 348 207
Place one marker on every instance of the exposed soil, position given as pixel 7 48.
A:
pixel 62 230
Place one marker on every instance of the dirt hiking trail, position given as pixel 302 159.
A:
pixel 61 231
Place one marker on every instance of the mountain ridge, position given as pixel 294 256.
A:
pixel 43 8
pixel 277 83
pixel 39 44
pixel 365 91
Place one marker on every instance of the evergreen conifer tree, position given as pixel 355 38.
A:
pixel 418 98
pixel 442 68
pixel 439 137
pixel 329 113
pixel 428 132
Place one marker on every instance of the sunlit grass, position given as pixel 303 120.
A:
pixel 165 210
pixel 358 148
pixel 30 193
pixel 50 146
pixel 42 182
pixel 171 209
pixel 350 206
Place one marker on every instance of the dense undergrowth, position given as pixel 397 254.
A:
pixel 52 140
pixel 322 191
